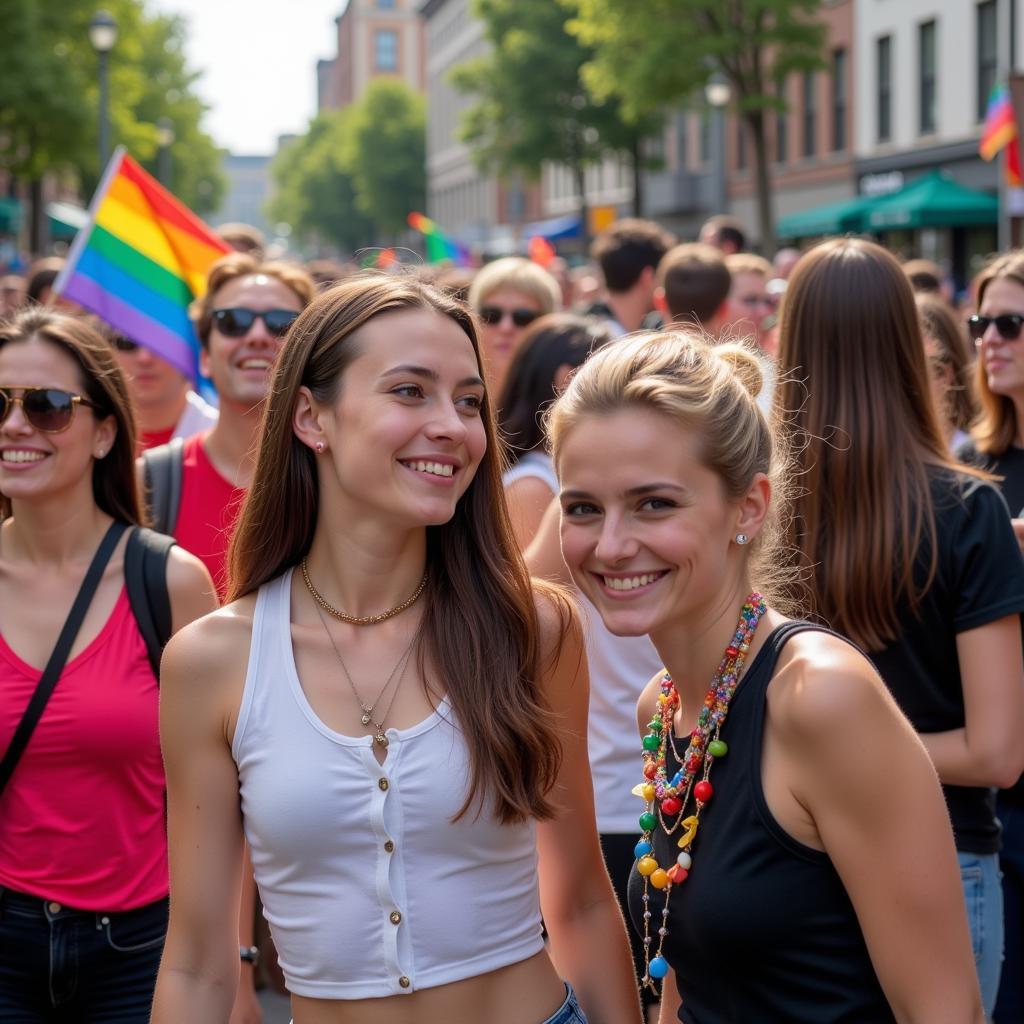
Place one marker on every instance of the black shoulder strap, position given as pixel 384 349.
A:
pixel 162 470
pixel 58 659
pixel 145 577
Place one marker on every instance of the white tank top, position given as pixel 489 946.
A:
pixel 369 888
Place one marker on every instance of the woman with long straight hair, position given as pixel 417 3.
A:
pixel 83 848
pixel 905 551
pixel 389 710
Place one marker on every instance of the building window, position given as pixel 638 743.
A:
pixel 704 151
pixel 782 126
pixel 987 57
pixel 926 77
pixel 741 144
pixel 810 115
pixel 839 100
pixel 883 71
pixel 385 50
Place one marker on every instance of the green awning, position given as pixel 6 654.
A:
pixel 934 201
pixel 10 215
pixel 65 220
pixel 830 219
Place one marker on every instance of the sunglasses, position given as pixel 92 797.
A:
pixel 236 323
pixel 123 344
pixel 1007 324
pixel 49 410
pixel 495 314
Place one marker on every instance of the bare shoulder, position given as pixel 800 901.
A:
pixel 186 573
pixel 558 617
pixel 648 702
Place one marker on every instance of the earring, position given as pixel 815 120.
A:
pixel 101 453
pixel 742 538
pixel 319 446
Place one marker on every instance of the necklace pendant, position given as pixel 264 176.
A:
pixel 380 739
pixel 366 718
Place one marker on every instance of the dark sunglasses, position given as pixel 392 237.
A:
pixel 1007 324
pixel 495 314
pixel 236 323
pixel 49 410
pixel 123 344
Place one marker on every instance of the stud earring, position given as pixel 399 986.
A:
pixel 742 538
pixel 319 446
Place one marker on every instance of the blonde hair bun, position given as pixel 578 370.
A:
pixel 744 363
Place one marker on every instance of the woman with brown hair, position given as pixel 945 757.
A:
pixel 795 861
pixel 904 550
pixel 83 851
pixel 387 707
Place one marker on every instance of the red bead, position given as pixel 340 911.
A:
pixel 733 652
pixel 650 769
pixel 694 763
pixel 676 874
pixel 703 791
pixel 671 805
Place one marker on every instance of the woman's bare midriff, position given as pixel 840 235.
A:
pixel 524 993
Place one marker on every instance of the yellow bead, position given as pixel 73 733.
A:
pixel 648 791
pixel 647 866
pixel 662 699
pixel 659 879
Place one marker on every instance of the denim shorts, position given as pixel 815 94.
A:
pixel 59 965
pixel 979 874
pixel 569 1012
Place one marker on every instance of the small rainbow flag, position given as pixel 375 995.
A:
pixel 1000 123
pixel 140 261
pixel 439 246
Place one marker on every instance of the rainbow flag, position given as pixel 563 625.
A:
pixel 140 261
pixel 1000 123
pixel 439 246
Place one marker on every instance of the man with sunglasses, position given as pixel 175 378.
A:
pixel 162 397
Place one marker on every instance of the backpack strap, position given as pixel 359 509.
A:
pixel 162 471
pixel 145 577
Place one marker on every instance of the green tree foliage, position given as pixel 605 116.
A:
pixel 532 105
pixel 659 52
pixel 315 192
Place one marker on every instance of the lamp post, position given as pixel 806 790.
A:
pixel 718 93
pixel 103 36
pixel 164 139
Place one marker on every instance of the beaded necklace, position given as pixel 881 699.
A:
pixel 666 798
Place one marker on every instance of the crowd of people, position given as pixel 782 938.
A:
pixel 638 641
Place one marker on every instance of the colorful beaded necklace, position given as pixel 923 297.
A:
pixel 667 799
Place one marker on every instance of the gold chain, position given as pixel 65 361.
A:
pixel 360 620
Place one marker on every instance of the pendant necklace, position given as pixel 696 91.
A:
pixel 667 799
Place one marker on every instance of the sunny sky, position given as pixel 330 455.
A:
pixel 258 63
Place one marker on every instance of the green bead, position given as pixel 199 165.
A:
pixel 718 748
pixel 652 741
pixel 654 723
pixel 647 821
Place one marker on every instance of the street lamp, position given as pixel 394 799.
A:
pixel 164 139
pixel 718 93
pixel 103 36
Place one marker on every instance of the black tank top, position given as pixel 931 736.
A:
pixel 762 931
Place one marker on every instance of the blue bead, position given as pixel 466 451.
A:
pixel 642 849
pixel 658 967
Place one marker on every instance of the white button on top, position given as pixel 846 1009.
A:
pixel 54 908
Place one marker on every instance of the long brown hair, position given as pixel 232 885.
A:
pixel 995 430
pixel 115 486
pixel 939 323
pixel 480 623
pixel 854 400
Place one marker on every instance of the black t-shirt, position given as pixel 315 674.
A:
pixel 979 578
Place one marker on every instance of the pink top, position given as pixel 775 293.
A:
pixel 82 818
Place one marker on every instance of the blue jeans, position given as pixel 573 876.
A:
pixel 64 966
pixel 979 874
pixel 1010 1004
pixel 569 1012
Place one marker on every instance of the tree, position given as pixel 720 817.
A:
pixel 532 105
pixel 658 52
pixel 316 193
pixel 387 155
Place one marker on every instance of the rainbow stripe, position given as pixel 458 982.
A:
pixel 140 261
pixel 440 247
pixel 1000 123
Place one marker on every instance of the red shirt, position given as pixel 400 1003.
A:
pixel 154 438
pixel 82 819
pixel 208 511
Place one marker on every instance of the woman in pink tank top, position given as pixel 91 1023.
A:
pixel 409 612
pixel 83 858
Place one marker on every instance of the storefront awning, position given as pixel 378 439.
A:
pixel 934 201
pixel 65 219
pixel 830 219
pixel 10 215
pixel 554 228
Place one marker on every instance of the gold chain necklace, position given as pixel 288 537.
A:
pixel 360 620
pixel 367 709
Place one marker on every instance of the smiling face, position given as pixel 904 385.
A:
pixel 39 465
pixel 406 436
pixel 1002 358
pixel 647 529
pixel 241 367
